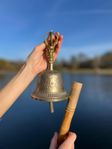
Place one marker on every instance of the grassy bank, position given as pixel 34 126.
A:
pixel 89 71
pixel 77 71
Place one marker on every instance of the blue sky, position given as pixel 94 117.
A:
pixel 85 24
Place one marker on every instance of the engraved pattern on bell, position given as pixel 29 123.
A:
pixel 50 87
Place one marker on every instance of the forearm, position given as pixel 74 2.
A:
pixel 14 88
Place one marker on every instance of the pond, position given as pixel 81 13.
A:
pixel 30 125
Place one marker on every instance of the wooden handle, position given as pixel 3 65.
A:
pixel 73 99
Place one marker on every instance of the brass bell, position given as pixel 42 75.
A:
pixel 50 85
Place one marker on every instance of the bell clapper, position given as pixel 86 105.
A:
pixel 51 107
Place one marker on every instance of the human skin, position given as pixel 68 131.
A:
pixel 67 144
pixel 35 63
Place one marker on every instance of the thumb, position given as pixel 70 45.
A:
pixel 40 47
pixel 69 142
pixel 53 143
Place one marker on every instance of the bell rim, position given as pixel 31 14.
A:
pixel 55 99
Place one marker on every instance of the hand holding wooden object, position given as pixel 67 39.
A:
pixel 72 103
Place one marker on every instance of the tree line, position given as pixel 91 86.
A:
pixel 7 65
pixel 80 61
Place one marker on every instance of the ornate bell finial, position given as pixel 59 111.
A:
pixel 50 86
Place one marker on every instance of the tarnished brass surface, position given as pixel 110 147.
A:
pixel 50 86
pixel 51 47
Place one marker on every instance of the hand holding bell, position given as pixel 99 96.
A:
pixel 50 86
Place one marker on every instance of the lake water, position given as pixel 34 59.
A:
pixel 30 125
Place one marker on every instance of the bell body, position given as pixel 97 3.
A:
pixel 50 87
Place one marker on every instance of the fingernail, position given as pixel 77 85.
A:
pixel 75 137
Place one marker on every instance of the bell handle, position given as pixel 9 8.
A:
pixel 51 47
pixel 70 110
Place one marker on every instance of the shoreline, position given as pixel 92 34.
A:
pixel 89 71
pixel 3 72
pixel 78 71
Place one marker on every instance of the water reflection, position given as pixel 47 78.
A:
pixel 29 124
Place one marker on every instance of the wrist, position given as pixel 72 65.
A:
pixel 28 71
